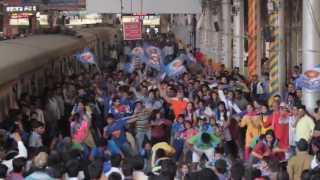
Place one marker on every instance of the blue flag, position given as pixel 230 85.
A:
pixel 136 57
pixel 153 57
pixel 175 68
pixel 86 57
pixel 309 80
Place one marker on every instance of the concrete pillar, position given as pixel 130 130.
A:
pixel 310 46
pixel 227 35
pixel 238 35
pixel 282 49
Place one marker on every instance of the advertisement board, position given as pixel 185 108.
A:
pixel 132 31
pixel 62 5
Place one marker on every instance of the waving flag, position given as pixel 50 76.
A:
pixel 191 58
pixel 86 57
pixel 137 56
pixel 153 57
pixel 137 52
pixel 175 68
pixel 310 79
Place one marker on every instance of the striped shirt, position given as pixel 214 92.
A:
pixel 142 121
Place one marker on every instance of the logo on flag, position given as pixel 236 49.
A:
pixel 176 67
pixel 86 57
pixel 154 57
pixel 310 79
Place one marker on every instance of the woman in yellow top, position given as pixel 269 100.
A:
pixel 253 124
pixel 263 116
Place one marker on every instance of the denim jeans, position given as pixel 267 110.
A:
pixel 140 136
pixel 126 149
pixel 178 146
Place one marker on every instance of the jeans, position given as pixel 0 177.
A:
pixel 126 149
pixel 140 136
pixel 178 146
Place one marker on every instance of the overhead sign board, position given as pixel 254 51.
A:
pixel 14 9
pixel 132 31
pixel 62 5
pixel 145 7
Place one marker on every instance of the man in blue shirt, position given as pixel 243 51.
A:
pixel 117 131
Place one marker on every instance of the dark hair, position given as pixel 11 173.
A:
pixel 127 168
pixel 3 171
pixel 73 168
pixel 116 160
pixel 95 169
pixel 271 133
pixel 282 175
pixel 54 158
pixel 18 164
pixel 252 173
pixel 203 174
pixel 306 174
pixel 109 116
pixel 302 145
pixel 168 168
pixel 37 124
pixel 137 163
pixel 219 150
pixel 114 176
pixel 237 171
pixel 267 159
pixel 160 153
pixel 205 137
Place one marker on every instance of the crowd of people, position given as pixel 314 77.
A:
pixel 207 124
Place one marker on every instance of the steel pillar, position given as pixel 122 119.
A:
pixel 227 34
pixel 238 35
pixel 310 46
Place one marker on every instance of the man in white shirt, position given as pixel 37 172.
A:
pixel 116 165
pixel 138 165
pixel 228 101
pixel 22 152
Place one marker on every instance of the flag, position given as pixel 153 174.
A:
pixel 189 57
pixel 175 68
pixel 137 52
pixel 309 80
pixel 86 57
pixel 154 57
pixel 136 57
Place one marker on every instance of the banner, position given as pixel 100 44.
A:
pixel 309 80
pixel 132 31
pixel 86 57
pixel 175 68
pixel 62 5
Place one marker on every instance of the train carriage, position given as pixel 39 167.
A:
pixel 26 65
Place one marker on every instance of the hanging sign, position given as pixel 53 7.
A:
pixel 132 31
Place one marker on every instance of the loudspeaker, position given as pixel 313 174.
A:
pixel 216 26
